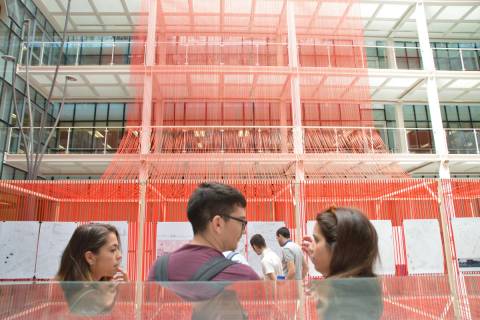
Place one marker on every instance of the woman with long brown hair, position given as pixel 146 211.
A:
pixel 344 249
pixel 92 254
pixel 344 244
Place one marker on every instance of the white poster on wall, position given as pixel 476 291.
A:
pixel 386 262
pixel 424 246
pixel 311 268
pixel 466 232
pixel 122 228
pixel 172 235
pixel 268 230
pixel 18 249
pixel 53 239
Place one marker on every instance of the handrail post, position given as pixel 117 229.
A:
pixel 222 142
pixel 67 150
pixel 405 135
pixel 328 57
pixel 184 141
pixel 371 140
pixel 476 140
pixel 105 141
pixel 336 139
pixel 113 54
pixel 9 139
pixel 461 59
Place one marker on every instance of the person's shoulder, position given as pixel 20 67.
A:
pixel 238 272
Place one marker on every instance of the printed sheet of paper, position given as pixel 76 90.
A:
pixel 386 263
pixel 466 233
pixel 424 246
pixel 18 249
pixel 54 237
pixel 172 235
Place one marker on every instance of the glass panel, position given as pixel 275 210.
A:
pixel 90 53
pixel 84 111
pixel 452 114
pixel 116 112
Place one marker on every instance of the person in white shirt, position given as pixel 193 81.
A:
pixel 271 263
pixel 235 257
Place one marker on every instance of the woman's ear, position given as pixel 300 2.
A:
pixel 90 257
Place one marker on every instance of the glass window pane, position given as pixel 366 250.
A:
pixel 67 112
pixel 408 113
pixel 116 112
pixel 464 113
pixel 421 113
pixel 84 112
pixel 475 112
pixel 102 112
pixel 451 113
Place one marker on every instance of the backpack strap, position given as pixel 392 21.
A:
pixel 231 255
pixel 161 269
pixel 211 268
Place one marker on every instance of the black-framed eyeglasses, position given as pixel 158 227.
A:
pixel 243 222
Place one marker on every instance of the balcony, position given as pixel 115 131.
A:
pixel 312 53
pixel 232 139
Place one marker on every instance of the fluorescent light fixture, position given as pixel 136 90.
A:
pixel 199 133
pixel 98 134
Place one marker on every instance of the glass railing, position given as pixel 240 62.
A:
pixel 463 141
pixel 232 139
pixel 426 297
pixel 459 59
pixel 252 53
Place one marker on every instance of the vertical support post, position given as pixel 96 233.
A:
pixel 447 209
pixel 113 53
pixel 391 59
pixel 461 59
pixel 474 136
pixel 68 140
pixel 401 135
pixel 105 142
pixel 298 145
pixel 145 146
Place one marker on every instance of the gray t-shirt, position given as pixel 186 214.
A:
pixel 292 252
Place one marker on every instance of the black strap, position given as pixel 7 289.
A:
pixel 231 255
pixel 206 272
pixel 211 268
pixel 161 269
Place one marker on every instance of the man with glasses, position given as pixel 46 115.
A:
pixel 218 218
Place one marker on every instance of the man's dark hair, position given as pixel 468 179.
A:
pixel 209 200
pixel 258 241
pixel 284 232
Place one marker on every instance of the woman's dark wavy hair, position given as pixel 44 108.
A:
pixel 88 237
pixel 352 240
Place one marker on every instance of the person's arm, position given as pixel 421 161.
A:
pixel 291 270
pixel 270 276
pixel 304 268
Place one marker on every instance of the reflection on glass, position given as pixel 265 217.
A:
pixel 355 298
pixel 90 298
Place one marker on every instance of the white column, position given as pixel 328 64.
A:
pixel 447 208
pixel 432 89
pixel 390 51
pixel 145 137
pixel 296 117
